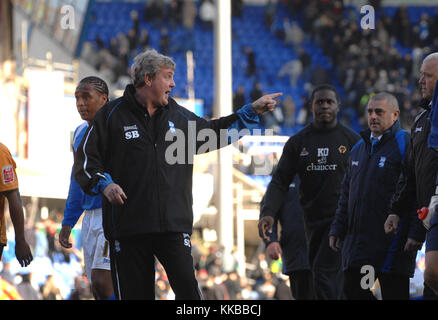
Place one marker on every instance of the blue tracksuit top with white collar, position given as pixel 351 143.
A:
pixel 78 201
pixel 369 183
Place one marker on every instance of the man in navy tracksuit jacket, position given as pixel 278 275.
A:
pixel 369 183
pixel 292 245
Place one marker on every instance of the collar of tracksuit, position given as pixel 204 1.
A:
pixel 129 95
pixel 366 134
pixel 378 138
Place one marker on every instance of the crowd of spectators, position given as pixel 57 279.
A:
pixel 386 58
pixel 58 274
pixel 286 119
pixel 362 61
pixel 219 278
pixel 112 60
pixel 54 274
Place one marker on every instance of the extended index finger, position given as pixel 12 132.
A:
pixel 275 95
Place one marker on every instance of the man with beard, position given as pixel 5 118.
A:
pixel 319 155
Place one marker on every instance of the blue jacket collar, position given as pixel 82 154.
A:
pixel 388 133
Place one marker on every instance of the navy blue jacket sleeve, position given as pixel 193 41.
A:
pixel 417 231
pixel 403 200
pixel 433 136
pixel 340 222
pixel 274 235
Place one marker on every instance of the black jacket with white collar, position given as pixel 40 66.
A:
pixel 151 158
pixel 417 181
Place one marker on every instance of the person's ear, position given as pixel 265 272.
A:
pixel 104 98
pixel 148 80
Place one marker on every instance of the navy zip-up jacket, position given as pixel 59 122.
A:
pixel 369 183
pixel 292 239
pixel 416 184
pixel 433 136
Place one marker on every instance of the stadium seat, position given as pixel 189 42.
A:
pixel 112 17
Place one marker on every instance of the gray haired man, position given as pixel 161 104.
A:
pixel 147 203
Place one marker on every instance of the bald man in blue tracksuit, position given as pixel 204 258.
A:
pixel 369 183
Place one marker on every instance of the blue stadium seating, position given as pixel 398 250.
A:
pixel 111 18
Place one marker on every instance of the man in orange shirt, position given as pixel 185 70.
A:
pixel 9 190
pixel 8 291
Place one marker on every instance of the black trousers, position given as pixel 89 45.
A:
pixel 393 286
pixel 133 266
pixel 325 263
pixel 301 284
